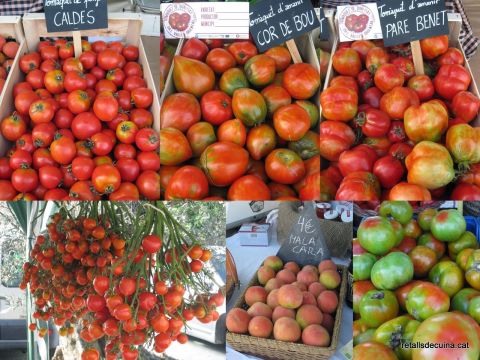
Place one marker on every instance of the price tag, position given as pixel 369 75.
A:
pixel 274 22
pixel 409 20
pixel 324 30
pixel 74 15
pixel 206 20
pixel 359 22
pixel 305 243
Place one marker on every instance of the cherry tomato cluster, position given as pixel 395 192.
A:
pixel 414 277
pixel 241 126
pixel 81 128
pixel 83 271
pixel 8 51
pixel 386 128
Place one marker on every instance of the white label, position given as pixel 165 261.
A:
pixel 206 20
pixel 359 22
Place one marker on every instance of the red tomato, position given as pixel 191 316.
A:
pixel 435 46
pixel 189 182
pixel 148 184
pixel 88 59
pixel 41 111
pixel 248 187
pixel 450 80
pixel 291 122
pixel 85 125
pixel 358 159
pixel 335 138
pixel 82 167
pixel 465 105
pixel 24 180
pixel 373 122
pixel 147 139
pixel 149 160
pixel 29 62
pixel 102 144
pixel 13 127
pixel 126 132
pixel 78 101
pixel 106 179
pixel 130 53
pixel 43 134
pixel 129 169
pixel 388 76
pixel 134 82
pixel 24 100
pixel 284 166
pixel 360 186
pixel 195 49
pixel 423 86
pixel 347 61
pixel 20 159
pixel 389 171
pixel 36 78
pixel 109 59
pixel 63 150
pixel 50 176
pixel 105 106
pixel 75 80
pixel 142 97
pixel 7 191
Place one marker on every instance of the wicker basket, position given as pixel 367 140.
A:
pixel 270 349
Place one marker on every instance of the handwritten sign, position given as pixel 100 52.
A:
pixel 409 20
pixel 73 15
pixel 305 243
pixel 324 31
pixel 273 22
pixel 358 22
pixel 206 20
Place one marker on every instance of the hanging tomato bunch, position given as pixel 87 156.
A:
pixel 241 126
pixel 387 130
pixel 82 128
pixel 83 271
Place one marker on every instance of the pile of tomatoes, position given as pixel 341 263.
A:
pixel 241 126
pixel 416 281
pixel 83 272
pixel 8 51
pixel 82 128
pixel 391 134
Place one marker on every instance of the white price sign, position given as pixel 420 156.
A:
pixel 359 22
pixel 206 20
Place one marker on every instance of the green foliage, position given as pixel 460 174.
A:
pixel 204 219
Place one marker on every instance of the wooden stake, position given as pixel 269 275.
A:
pixel 292 47
pixel 77 43
pixel 417 57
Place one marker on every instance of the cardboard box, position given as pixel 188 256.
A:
pixel 254 234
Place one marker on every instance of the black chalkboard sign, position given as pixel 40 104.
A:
pixel 305 243
pixel 273 22
pixel 72 15
pixel 409 20
pixel 324 30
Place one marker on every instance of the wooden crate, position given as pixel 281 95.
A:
pixel 127 26
pixel 10 27
pixel 454 24
pixel 280 350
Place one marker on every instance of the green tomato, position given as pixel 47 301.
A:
pixel 362 266
pixel 377 307
pixel 363 337
pixel 426 300
pixel 448 276
pixel 376 235
pixel 472 274
pixel 467 241
pixel 461 300
pixel 392 271
pixel 425 218
pixel 400 210
pixel 448 225
pixel 474 309
pixel 395 332
pixel 399 231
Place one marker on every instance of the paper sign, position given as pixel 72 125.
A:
pixel 305 243
pixel 324 31
pixel 273 22
pixel 73 15
pixel 206 20
pixel 408 20
pixel 359 22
